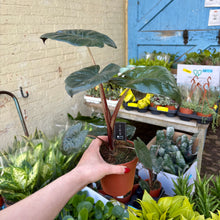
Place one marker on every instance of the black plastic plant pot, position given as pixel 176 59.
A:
pixel 164 110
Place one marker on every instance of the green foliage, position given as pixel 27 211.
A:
pixel 74 138
pixel 182 187
pixel 81 206
pixel 80 37
pixel 206 110
pixel 215 189
pixel 189 105
pixel 155 59
pixel 203 57
pixel 149 161
pixel 203 199
pixel 33 163
pixel 163 101
pixel 175 155
pixel 95 124
pixel 177 207
pixel 206 195
pixel 145 80
pixel 112 92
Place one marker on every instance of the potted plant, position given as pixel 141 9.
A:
pixel 205 111
pixel 143 79
pixel 187 107
pixel 148 159
pixel 175 154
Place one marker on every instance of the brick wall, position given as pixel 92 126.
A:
pixel 41 69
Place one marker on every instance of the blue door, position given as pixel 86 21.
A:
pixel 159 25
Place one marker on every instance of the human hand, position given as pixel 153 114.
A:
pixel 92 165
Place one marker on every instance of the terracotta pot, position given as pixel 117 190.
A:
pixel 203 115
pixel 153 105
pixel 155 192
pixel 170 107
pixel 185 110
pixel 119 185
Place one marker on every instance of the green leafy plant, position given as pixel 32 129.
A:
pixel 215 189
pixel 203 57
pixel 176 207
pixel 150 162
pixel 162 100
pixel 189 105
pixel 146 80
pixel 95 124
pixel 203 199
pixel 81 206
pixel 182 187
pixel 207 111
pixel 155 59
pixel 112 92
pixel 205 195
pixel 33 164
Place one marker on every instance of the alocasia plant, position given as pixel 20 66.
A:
pixel 155 80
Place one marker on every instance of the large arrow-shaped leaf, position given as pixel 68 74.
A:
pixel 155 80
pixel 80 37
pixel 89 77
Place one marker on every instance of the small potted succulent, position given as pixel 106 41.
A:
pixel 143 79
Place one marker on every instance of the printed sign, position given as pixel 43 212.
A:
pixel 212 3
pixel 214 17
pixel 186 72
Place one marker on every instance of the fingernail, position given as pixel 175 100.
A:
pixel 127 170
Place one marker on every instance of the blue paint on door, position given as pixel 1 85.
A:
pixel 159 25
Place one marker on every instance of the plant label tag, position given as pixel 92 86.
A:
pixel 120 131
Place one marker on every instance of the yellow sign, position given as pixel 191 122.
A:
pixel 187 71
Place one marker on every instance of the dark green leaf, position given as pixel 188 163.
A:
pixel 117 211
pixel 79 37
pixel 154 80
pixel 85 204
pixel 143 153
pixel 74 138
pixel 89 77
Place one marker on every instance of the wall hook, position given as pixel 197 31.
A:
pixel 24 96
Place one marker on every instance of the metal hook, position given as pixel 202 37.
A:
pixel 24 96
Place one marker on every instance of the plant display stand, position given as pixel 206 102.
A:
pixel 164 121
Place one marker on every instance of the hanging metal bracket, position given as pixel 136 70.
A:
pixel 18 110
pixel 185 36
pixel 218 37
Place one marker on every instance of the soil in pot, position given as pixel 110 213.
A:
pixel 155 192
pixel 119 185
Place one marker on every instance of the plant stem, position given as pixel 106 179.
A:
pixel 106 111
